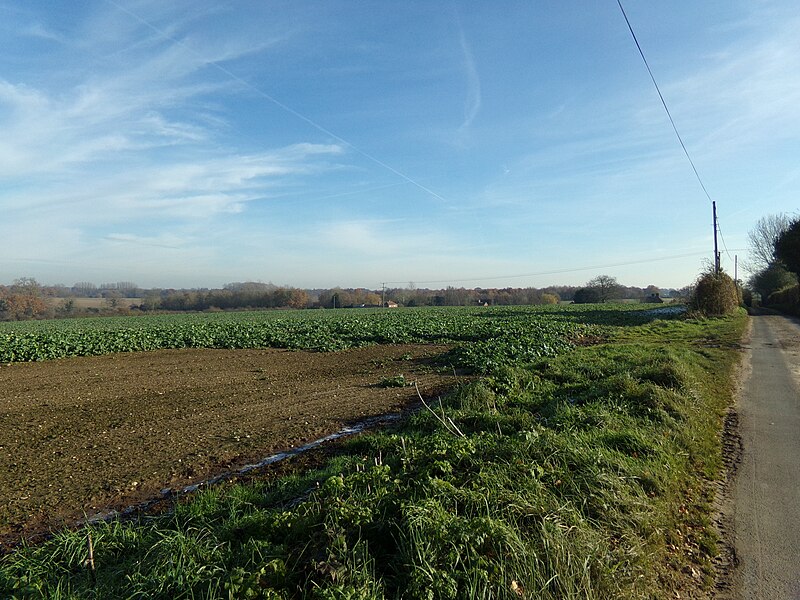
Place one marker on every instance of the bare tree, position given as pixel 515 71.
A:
pixel 762 239
pixel 606 286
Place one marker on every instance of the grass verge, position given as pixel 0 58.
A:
pixel 580 475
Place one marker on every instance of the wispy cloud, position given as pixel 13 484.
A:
pixel 131 152
pixel 37 30
pixel 382 238
pixel 472 104
pixel 156 135
pixel 747 93
pixel 195 189
pixel 162 241
pixel 129 99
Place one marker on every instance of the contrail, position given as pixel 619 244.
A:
pixel 278 103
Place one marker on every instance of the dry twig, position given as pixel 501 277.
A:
pixel 448 423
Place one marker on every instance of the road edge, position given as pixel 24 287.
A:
pixel 726 564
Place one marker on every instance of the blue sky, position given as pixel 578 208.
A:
pixel 190 144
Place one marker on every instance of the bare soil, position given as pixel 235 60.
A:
pixel 82 435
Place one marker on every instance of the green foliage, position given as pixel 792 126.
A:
pixel 786 299
pixel 489 334
pixel 715 294
pixel 578 469
pixel 787 248
pixel 396 381
pixel 771 279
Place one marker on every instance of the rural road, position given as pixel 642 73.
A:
pixel 765 519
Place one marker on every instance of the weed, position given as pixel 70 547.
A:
pixel 395 381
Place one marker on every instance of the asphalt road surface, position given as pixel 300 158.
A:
pixel 766 489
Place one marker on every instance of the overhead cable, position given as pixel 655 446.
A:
pixel 278 103
pixel 556 272
pixel 663 102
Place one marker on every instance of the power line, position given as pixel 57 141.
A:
pixel 556 272
pixel 663 102
pixel 724 245
pixel 278 103
pixel 717 228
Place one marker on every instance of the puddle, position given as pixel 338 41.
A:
pixel 665 311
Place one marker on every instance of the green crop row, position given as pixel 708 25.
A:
pixel 496 335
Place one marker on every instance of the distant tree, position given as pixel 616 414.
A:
pixel 550 299
pixel 762 241
pixel 372 299
pixel 151 301
pixel 298 299
pixel 455 296
pixel 250 286
pixel 23 300
pixel 112 298
pixel 26 285
pixel 787 248
pixel 66 308
pixel 280 298
pixel 586 296
pixel 84 289
pixel 606 286
pixel 127 289
pixel 344 297
pixel 338 298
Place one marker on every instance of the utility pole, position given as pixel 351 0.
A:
pixel 716 248
pixel 383 295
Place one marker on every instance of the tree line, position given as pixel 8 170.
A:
pixel 775 260
pixel 28 299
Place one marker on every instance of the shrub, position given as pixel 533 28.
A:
pixel 586 296
pixel 747 297
pixel 550 299
pixel 715 294
pixel 785 299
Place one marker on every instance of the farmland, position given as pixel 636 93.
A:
pixel 93 433
pixel 572 462
pixel 522 329
pixel 217 393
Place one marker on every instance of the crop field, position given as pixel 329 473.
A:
pixel 520 329
pixel 89 432
pixel 565 452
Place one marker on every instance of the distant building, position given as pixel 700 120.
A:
pixel 653 298
pixel 390 304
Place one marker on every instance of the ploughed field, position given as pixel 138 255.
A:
pixel 89 421
pixel 90 433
